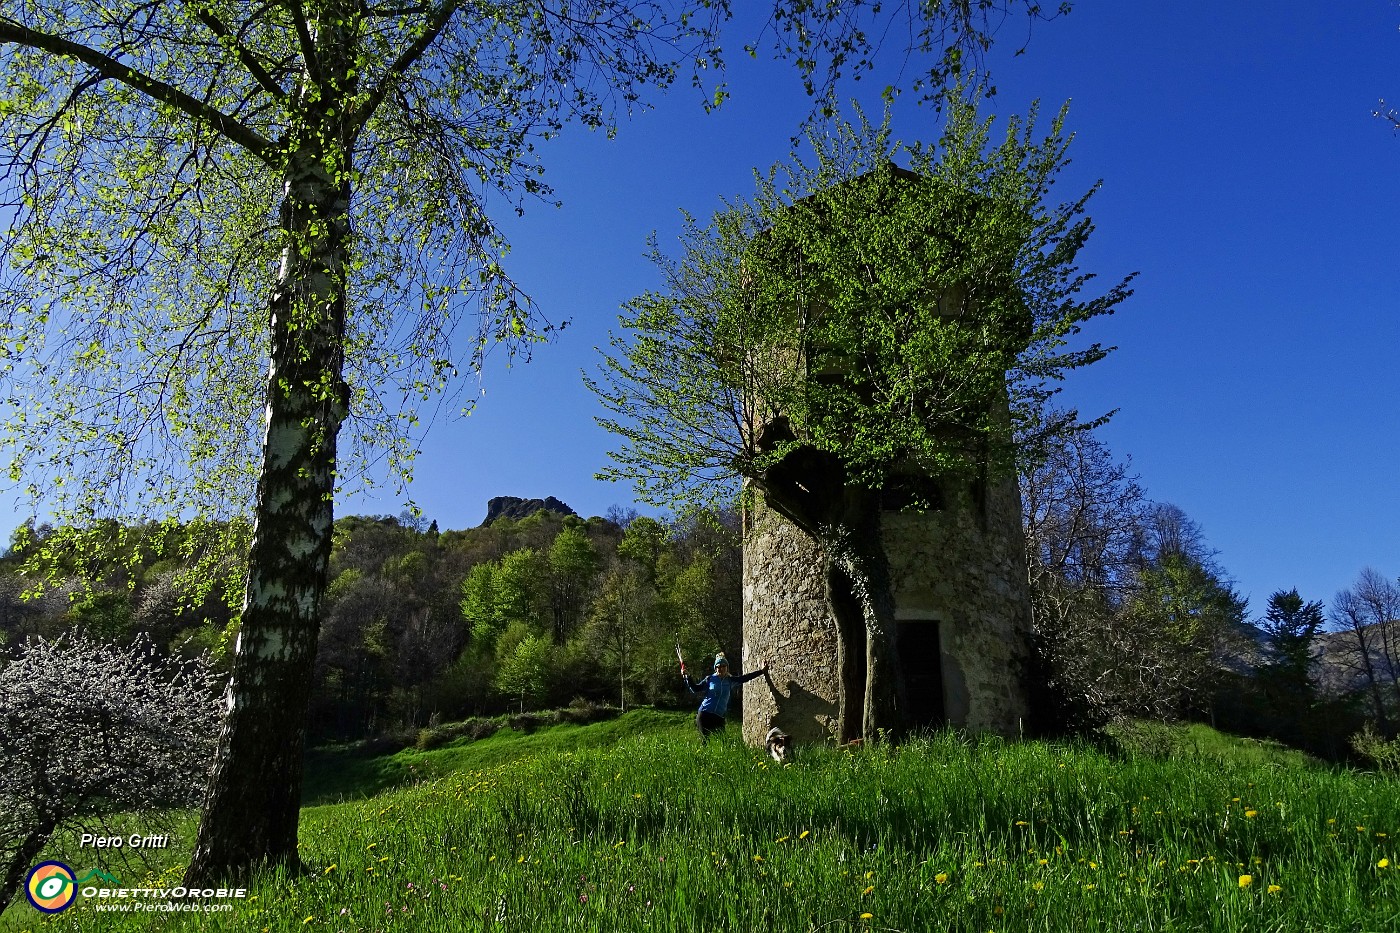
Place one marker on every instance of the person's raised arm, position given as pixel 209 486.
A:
pixel 745 678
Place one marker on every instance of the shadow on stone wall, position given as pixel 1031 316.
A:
pixel 802 713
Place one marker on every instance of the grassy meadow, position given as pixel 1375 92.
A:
pixel 632 825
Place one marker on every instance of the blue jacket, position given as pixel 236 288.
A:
pixel 717 690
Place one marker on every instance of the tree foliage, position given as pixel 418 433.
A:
pixel 853 321
pixel 1132 614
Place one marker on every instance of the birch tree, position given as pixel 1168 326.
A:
pixel 233 208
pixel 238 227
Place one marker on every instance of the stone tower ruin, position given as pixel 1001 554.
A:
pixel 962 605
pixel 962 608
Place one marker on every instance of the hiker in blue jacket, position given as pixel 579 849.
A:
pixel 717 687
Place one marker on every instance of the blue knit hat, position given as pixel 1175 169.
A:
pixel 721 659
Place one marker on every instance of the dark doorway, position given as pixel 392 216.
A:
pixel 922 665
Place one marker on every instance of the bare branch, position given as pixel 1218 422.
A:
pixel 308 44
pixel 405 61
pixel 245 55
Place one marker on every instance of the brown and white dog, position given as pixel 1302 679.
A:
pixel 779 745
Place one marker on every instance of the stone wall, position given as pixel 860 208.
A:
pixel 787 624
pixel 960 569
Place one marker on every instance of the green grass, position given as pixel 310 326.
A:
pixel 338 774
pixel 1196 743
pixel 632 825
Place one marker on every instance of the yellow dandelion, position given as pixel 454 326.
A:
pixel 1044 861
pixel 1274 889
pixel 869 875
pixel 867 890
pixel 1250 814
pixel 805 834
pixel 1022 823
pixel 1038 886
pixel 1383 863
pixel 331 869
pixel 866 916
pixel 941 877
pixel 307 920
pixel 372 845
pixel 1088 887
pixel 758 858
pixel 783 838
pixel 1246 880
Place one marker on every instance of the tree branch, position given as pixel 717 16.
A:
pixel 405 61
pixel 308 44
pixel 108 67
pixel 245 55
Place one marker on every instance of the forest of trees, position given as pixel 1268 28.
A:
pixel 1134 615
pixel 420 626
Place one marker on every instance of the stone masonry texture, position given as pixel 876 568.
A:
pixel 961 568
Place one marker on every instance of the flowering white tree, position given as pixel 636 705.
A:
pixel 88 729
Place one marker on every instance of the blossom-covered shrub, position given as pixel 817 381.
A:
pixel 89 729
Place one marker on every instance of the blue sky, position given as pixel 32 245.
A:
pixel 1243 176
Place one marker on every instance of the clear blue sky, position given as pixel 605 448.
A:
pixel 1244 178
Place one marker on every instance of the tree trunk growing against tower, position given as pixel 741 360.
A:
pixel 810 489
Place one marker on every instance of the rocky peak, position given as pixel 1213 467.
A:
pixel 515 508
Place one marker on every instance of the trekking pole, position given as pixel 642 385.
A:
pixel 680 657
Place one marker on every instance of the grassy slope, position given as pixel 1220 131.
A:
pixel 333 774
pixel 630 825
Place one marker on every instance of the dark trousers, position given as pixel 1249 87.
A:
pixel 707 723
